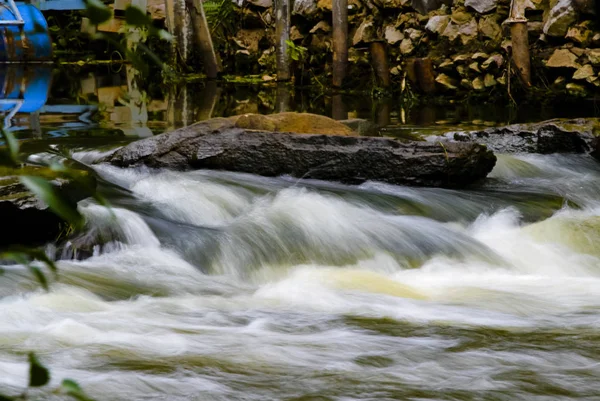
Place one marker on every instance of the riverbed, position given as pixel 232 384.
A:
pixel 210 285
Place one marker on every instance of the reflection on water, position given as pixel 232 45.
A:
pixel 42 102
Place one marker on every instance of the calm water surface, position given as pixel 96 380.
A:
pixel 210 285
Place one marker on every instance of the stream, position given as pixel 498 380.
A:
pixel 210 285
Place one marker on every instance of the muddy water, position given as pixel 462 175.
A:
pixel 220 286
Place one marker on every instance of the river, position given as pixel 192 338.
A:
pixel 210 285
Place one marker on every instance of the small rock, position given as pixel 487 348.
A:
pixel 425 6
pixel 461 17
pixel 437 23
pixel 479 56
pixel 461 57
pixel 261 3
pixel 594 56
pixel 562 58
pixel 395 71
pixel 561 16
pixel 489 81
pixel 366 32
pixel 414 34
pixel 322 26
pixel 593 80
pixel 494 60
pixel 267 78
pixel 445 81
pixel 596 40
pixel 465 83
pixel 295 34
pixel 462 70
pixel 306 8
pixel 406 46
pixel 579 35
pixel 489 27
pixel 392 35
pixel 578 51
pixel 481 6
pixel 325 5
pixel 446 65
pixel 478 84
pixel 576 89
pixel 560 82
pixel 466 32
pixel 474 67
pixel 584 72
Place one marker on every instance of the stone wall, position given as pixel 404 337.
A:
pixel 466 41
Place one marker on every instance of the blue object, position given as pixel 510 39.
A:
pixel 59 4
pixel 28 40
pixel 25 90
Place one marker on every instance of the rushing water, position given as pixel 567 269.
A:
pixel 210 285
pixel 218 286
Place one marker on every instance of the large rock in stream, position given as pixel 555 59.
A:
pixel 228 144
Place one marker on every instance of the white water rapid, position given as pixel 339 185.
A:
pixel 218 286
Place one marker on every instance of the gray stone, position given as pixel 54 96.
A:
pixel 562 15
pixel 219 144
pixel 466 32
pixel 437 23
pixel 425 6
pixel 392 35
pixel 406 46
pixel 261 3
pixel 482 6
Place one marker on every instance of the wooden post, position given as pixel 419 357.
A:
pixel 520 40
pixel 380 63
pixel 179 24
pixel 340 41
pixel 282 98
pixel 338 108
pixel 282 32
pixel 203 38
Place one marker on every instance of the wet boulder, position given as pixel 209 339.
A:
pixel 220 144
pixel 26 220
pixel 553 136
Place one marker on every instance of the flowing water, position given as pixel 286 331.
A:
pixel 218 286
pixel 210 285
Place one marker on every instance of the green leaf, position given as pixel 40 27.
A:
pixel 97 11
pixel 72 389
pixel 11 144
pixel 136 17
pixel 38 374
pixel 45 191
pixel 39 275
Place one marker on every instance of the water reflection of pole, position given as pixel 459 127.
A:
pixel 340 41
pixel 203 38
pixel 282 98
pixel 210 98
pixel 383 108
pixel 282 32
pixel 339 111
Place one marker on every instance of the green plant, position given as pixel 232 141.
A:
pixel 296 52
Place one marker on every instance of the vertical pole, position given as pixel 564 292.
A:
pixel 282 31
pixel 282 98
pixel 338 107
pixel 520 39
pixel 380 63
pixel 340 41
pixel 180 26
pixel 203 38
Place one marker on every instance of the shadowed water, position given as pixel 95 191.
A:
pixel 218 286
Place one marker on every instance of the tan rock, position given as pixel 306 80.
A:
pixel 576 89
pixel 474 67
pixel 406 46
pixel 393 35
pixel 563 58
pixel 461 57
pixel 299 123
pixel 322 26
pixel 478 84
pixel 446 65
pixel 579 34
pixel 584 72
pixel 494 60
pixel 489 27
pixel 445 81
pixel 479 56
pixel 465 83
pixel 594 56
pixel 413 34
pixel 295 34
pixel 489 81
pixel 366 32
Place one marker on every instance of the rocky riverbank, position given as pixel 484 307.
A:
pixel 432 46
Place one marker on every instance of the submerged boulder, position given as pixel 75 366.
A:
pixel 220 144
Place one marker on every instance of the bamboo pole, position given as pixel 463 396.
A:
pixel 340 41
pixel 380 63
pixel 520 40
pixel 203 38
pixel 282 31
pixel 180 26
